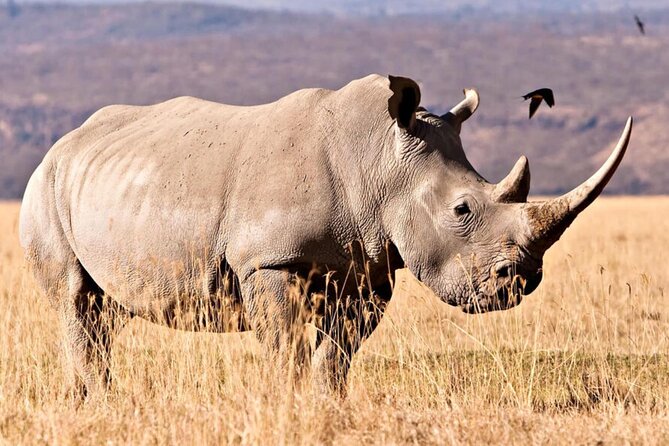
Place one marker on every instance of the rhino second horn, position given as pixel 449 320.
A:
pixel 516 186
pixel 463 110
pixel 549 219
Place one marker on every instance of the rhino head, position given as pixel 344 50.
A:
pixel 477 245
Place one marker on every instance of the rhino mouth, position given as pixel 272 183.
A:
pixel 504 298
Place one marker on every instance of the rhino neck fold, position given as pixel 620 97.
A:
pixel 360 162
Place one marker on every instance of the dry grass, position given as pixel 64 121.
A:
pixel 584 359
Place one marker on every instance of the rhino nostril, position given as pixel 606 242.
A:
pixel 504 271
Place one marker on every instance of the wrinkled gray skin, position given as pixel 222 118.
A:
pixel 191 207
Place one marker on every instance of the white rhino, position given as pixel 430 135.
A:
pixel 202 216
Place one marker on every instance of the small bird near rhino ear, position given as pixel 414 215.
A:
pixel 404 102
pixel 537 96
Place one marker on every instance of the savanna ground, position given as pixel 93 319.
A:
pixel 585 359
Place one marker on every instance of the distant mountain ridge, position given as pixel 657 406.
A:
pixel 59 63
pixel 411 7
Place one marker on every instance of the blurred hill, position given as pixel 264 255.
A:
pixel 418 7
pixel 59 63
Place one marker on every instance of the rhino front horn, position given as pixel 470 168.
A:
pixel 549 219
pixel 459 114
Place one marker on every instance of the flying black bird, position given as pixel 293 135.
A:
pixel 537 96
pixel 640 25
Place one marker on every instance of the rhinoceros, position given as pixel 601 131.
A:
pixel 190 210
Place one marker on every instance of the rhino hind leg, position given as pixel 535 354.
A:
pixel 90 322
pixel 89 319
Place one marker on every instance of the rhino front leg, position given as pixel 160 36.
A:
pixel 275 305
pixel 348 322
pixel 330 366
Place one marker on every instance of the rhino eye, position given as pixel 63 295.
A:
pixel 462 209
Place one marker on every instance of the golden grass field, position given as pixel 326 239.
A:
pixel 583 360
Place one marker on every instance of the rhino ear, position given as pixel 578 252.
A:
pixel 404 102
pixel 461 112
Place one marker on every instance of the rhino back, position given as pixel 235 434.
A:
pixel 152 198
